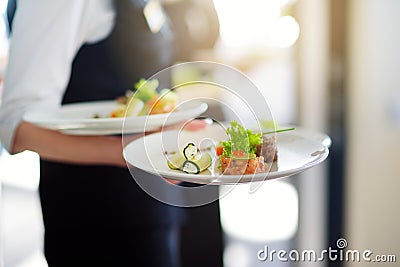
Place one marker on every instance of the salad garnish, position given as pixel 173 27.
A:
pixel 144 100
pixel 242 142
pixel 247 152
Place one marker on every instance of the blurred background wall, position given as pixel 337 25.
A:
pixel 373 126
pixel 329 65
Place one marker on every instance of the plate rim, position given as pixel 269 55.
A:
pixel 91 124
pixel 215 180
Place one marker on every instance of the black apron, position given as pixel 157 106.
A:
pixel 98 215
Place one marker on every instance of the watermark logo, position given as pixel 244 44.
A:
pixel 341 243
pixel 341 253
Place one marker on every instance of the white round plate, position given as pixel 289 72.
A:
pixel 298 150
pixel 78 118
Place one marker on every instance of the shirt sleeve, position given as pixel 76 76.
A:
pixel 45 39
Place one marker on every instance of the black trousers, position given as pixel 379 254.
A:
pixel 155 246
pixel 98 216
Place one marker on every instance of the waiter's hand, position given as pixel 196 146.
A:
pixel 193 125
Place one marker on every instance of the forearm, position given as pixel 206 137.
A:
pixel 53 145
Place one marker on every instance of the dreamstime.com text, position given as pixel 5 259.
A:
pixel 340 253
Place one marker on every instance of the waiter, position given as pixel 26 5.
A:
pixel 93 211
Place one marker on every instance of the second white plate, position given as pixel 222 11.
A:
pixel 78 118
pixel 297 151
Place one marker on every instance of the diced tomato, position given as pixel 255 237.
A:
pixel 219 150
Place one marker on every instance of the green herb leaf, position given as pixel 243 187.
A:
pixel 280 130
pixel 241 139
pixel 145 89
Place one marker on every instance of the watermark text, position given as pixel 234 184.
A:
pixel 340 253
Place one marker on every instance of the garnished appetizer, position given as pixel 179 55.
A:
pixel 246 152
pixel 145 100
pixel 190 160
pixel 237 156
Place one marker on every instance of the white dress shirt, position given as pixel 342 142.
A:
pixel 46 36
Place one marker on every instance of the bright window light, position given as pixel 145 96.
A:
pixel 254 22
pixel 269 214
pixel 286 32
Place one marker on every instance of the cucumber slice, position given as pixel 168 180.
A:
pixel 175 162
pixel 197 166
pixel 190 151
pixel 193 162
pixel 190 167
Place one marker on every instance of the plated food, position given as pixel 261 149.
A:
pixel 298 151
pixel 245 152
pixel 190 160
pixel 144 100
pixel 77 118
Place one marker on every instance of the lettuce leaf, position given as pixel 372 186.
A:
pixel 241 139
